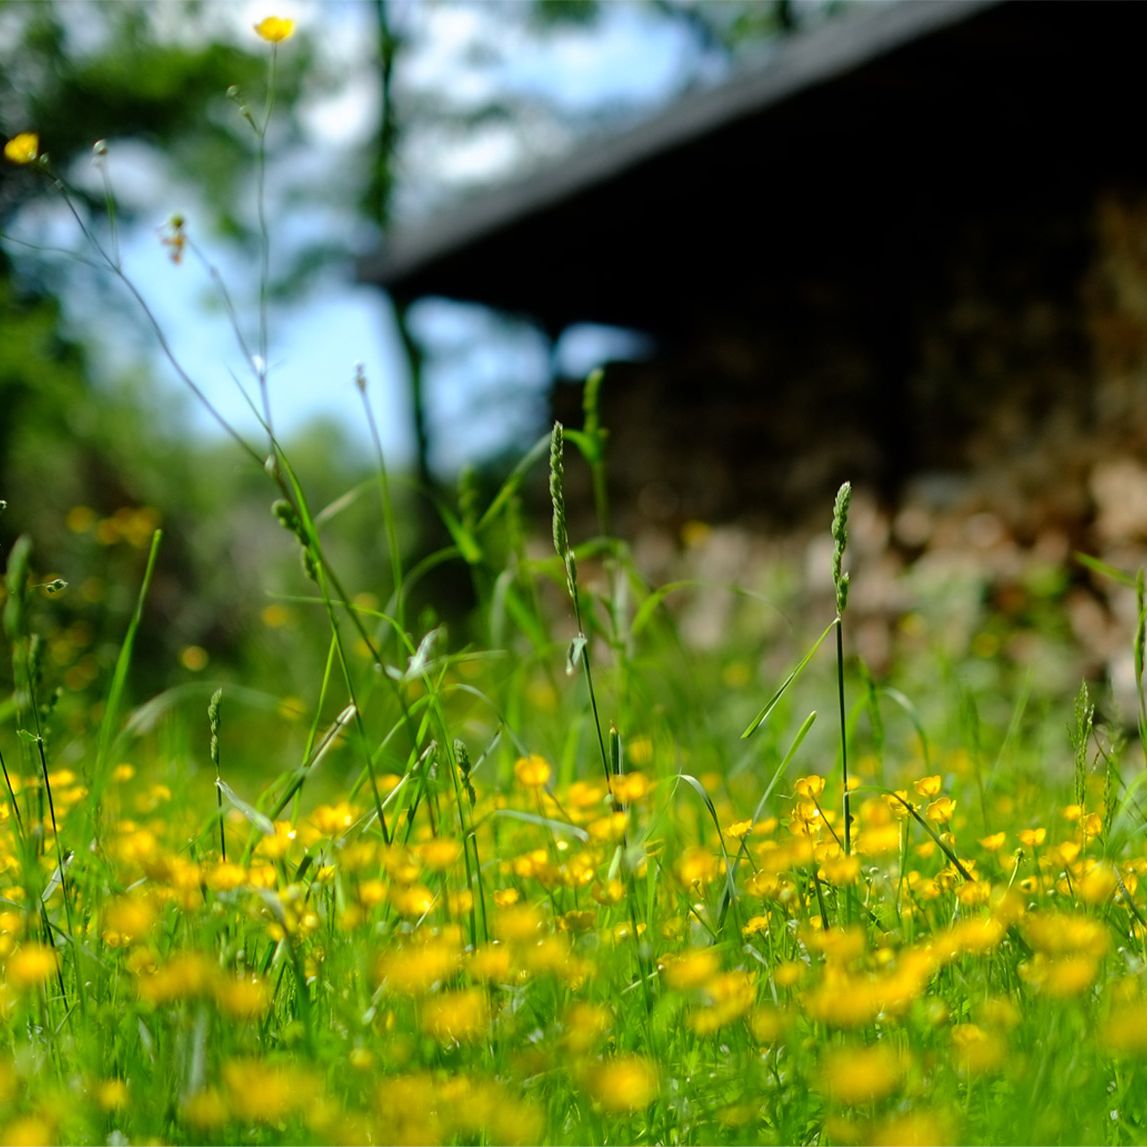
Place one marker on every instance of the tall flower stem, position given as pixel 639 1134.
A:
pixel 840 584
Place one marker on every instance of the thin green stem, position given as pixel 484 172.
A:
pixel 261 365
pixel 843 740
pixel 387 504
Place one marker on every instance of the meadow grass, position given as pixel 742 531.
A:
pixel 559 884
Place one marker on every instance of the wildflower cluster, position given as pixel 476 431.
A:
pixel 431 927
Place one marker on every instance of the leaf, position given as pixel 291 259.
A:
pixel 913 715
pixel 118 687
pixel 647 608
pixel 511 484
pixel 419 661
pixel 467 544
pixel 699 788
pixel 1105 570
pixel 802 732
pixel 587 444
pixel 774 700
pixel 259 820
pixel 541 821
pixel 575 653
pixel 57 877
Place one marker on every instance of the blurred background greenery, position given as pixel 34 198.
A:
pixel 95 449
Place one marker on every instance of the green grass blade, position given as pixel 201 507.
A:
pixel 774 700
pixel 114 702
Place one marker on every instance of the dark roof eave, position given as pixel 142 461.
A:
pixel 838 47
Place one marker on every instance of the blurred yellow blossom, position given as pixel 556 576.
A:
pixel 23 148
pixel 31 965
pixel 689 969
pixel 456 1016
pixel 854 1075
pixel 275 29
pixel 533 772
pixel 627 1083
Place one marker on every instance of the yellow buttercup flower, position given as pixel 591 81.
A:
pixel 857 1075
pixel 625 1084
pixel 532 772
pixel 460 1016
pixel 31 965
pixel 690 969
pixel 275 29
pixel 23 148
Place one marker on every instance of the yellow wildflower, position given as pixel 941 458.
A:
pixel 263 1093
pixel 332 819
pixel 491 963
pixel 1090 825
pixel 1099 882
pixel 878 839
pixel 609 892
pixel 788 974
pixel 275 29
pixel 414 901
pixel 1068 976
pixel 640 750
pixel 440 853
pixel 23 148
pixel 940 810
pixel 841 870
pixel 206 1109
pixel 1063 933
pixel 729 996
pixel 31 965
pixel 585 1024
pixel 839 946
pixel 627 1083
pixel 456 1016
pixel 609 829
pixel 242 998
pixel 1124 1031
pixel 194 658
pixel 853 1075
pixel 184 976
pixel 898 804
pixel 767 1023
pixel 111 1094
pixel 696 867
pixel 913 1127
pixel 127 918
pixel 415 970
pixel 755 925
pixel 928 786
pixel 630 787
pixel 26 1130
pixel 689 969
pixel 532 772
pixel 225 876
pixel 1000 1012
pixel 977 1051
pixel 739 829
pixel 519 923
